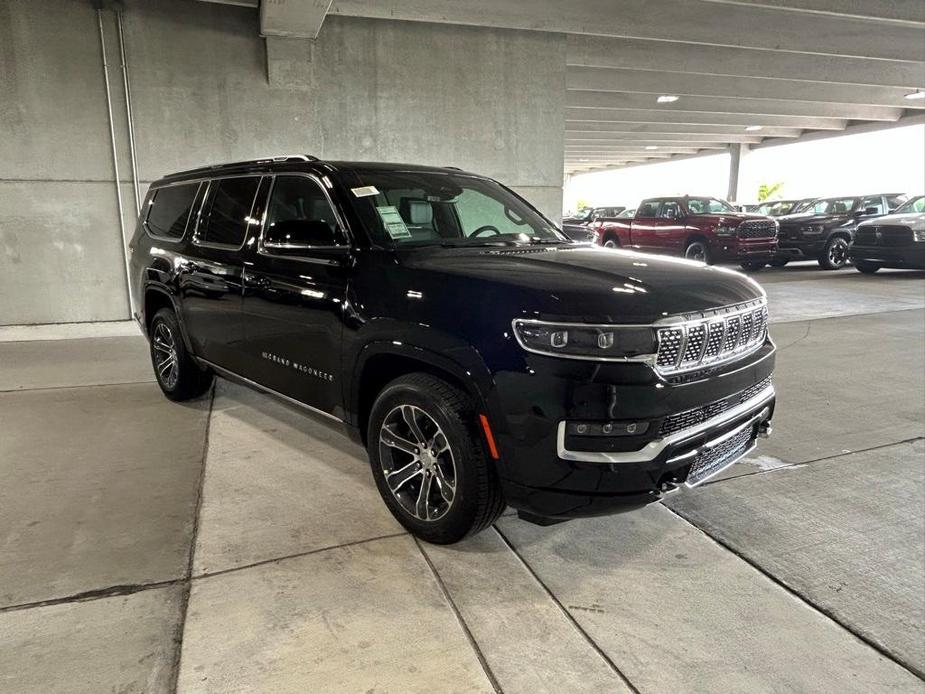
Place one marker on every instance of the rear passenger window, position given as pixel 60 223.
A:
pixel 225 219
pixel 648 209
pixel 169 210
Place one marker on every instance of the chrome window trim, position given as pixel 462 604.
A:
pixel 262 247
pixel 189 216
pixel 652 449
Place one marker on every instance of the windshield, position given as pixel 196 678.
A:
pixel 778 208
pixel 803 206
pixel 708 206
pixel 833 206
pixel 913 205
pixel 422 208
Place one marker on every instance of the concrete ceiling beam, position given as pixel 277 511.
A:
pixel 668 56
pixel 655 138
pixel 661 117
pixel 905 11
pixel 664 128
pixel 727 105
pixel 651 82
pixel 293 18
pixel 747 26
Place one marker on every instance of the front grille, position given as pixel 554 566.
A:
pixel 712 337
pixel 885 235
pixel 758 229
pixel 697 415
pixel 713 460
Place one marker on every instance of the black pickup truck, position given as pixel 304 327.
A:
pixel 481 357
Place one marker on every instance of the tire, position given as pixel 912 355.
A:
pixel 611 243
pixel 183 380
pixel 753 266
pixel 698 250
pixel 779 262
pixel 444 417
pixel 865 267
pixel 835 254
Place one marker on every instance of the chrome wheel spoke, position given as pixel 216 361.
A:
pixel 407 413
pixel 393 440
pixel 421 508
pixel 398 478
pixel 161 346
pixel 446 488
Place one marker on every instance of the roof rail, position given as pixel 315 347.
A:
pixel 247 162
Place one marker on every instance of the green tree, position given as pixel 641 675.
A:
pixel 581 204
pixel 766 192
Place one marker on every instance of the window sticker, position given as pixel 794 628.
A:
pixel 365 191
pixel 394 224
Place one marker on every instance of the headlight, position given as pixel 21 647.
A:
pixel 919 234
pixel 810 229
pixel 723 230
pixel 586 341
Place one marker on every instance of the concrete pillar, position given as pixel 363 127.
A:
pixel 737 155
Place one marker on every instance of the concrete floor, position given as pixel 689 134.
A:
pixel 233 544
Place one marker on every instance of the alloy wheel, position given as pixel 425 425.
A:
pixel 417 462
pixel 696 251
pixel 838 252
pixel 165 356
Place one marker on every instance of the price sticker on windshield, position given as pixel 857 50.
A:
pixel 393 223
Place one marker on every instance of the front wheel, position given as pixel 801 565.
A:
pixel 697 250
pixel 835 254
pixel 178 375
pixel 752 266
pixel 865 267
pixel 611 243
pixel 428 460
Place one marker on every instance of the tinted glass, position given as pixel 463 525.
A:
pixel 874 201
pixel 170 208
pixel 430 208
pixel 670 210
pixel 708 206
pixel 913 205
pixel 298 199
pixel 225 219
pixel 648 209
pixel 834 206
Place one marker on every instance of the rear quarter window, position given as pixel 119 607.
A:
pixel 169 210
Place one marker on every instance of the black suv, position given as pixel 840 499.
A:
pixel 480 356
pixel 824 230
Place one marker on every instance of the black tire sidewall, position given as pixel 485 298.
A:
pixel 706 251
pixel 191 380
pixel 467 455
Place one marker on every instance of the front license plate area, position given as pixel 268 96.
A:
pixel 715 457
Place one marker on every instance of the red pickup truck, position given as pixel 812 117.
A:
pixel 705 229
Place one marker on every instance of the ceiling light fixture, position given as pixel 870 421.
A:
pixel 667 99
pixel 651 147
pixel 917 94
pixel 754 128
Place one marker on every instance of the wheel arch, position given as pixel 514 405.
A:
pixel 155 298
pixel 380 363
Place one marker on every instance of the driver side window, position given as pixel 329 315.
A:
pixel 670 210
pixel 873 201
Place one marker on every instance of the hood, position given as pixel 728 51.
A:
pixel 726 217
pixel 582 283
pixel 913 220
pixel 824 219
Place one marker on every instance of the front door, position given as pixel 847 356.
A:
pixel 295 286
pixel 210 273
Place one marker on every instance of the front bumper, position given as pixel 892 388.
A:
pixel 912 257
pixel 739 251
pixel 546 473
pixel 800 248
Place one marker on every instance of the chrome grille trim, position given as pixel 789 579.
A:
pixel 682 345
pixel 688 418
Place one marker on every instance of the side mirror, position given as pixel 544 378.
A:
pixel 300 233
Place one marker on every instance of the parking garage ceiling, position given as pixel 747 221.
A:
pixel 656 79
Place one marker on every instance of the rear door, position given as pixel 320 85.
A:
pixel 210 274
pixel 295 289
pixel 670 228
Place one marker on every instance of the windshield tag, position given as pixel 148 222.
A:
pixel 393 223
pixel 365 191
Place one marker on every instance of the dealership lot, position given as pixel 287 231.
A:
pixel 234 544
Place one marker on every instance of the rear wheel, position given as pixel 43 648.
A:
pixel 611 243
pixel 428 460
pixel 835 254
pixel 177 373
pixel 779 262
pixel 697 250
pixel 865 267
pixel 753 266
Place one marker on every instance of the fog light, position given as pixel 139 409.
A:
pixel 606 428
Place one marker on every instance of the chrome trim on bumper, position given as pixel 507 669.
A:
pixel 715 442
pixel 652 449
